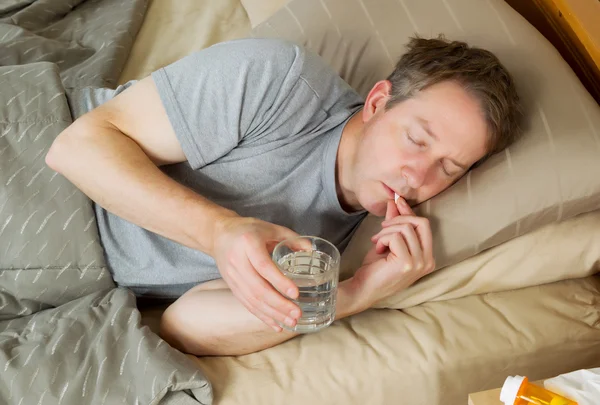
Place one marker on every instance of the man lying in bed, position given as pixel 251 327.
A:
pixel 198 170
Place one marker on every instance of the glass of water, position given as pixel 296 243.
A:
pixel 314 265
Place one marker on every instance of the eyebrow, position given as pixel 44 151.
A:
pixel 425 125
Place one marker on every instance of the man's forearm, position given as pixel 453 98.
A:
pixel 209 320
pixel 115 172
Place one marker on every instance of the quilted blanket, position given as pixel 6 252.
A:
pixel 67 334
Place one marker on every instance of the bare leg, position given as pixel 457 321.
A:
pixel 209 320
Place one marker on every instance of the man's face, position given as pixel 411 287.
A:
pixel 417 148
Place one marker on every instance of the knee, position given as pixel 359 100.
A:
pixel 172 327
pixel 183 327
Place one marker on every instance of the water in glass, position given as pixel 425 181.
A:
pixel 313 273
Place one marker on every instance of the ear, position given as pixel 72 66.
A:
pixel 377 99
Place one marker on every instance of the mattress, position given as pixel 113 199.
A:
pixel 432 353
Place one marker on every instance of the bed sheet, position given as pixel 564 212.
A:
pixel 435 353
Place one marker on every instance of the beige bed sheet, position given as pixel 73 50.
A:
pixel 433 353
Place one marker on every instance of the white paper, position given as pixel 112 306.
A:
pixel 582 386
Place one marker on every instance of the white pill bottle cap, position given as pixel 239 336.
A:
pixel 510 389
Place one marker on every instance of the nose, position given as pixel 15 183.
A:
pixel 415 174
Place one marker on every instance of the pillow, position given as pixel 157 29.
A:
pixel 206 22
pixel 259 10
pixel 548 176
pixel 558 251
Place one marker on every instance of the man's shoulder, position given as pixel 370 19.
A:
pixel 290 62
pixel 265 50
pixel 288 55
pixel 265 44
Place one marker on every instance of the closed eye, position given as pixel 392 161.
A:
pixel 414 141
pixel 445 171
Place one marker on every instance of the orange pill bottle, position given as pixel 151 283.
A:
pixel 518 390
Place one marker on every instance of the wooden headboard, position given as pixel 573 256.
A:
pixel 573 27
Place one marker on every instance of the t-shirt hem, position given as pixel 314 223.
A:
pixel 165 91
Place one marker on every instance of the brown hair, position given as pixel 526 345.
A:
pixel 430 61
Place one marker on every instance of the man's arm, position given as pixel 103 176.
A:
pixel 208 320
pixel 112 153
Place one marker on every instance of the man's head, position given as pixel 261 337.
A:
pixel 445 107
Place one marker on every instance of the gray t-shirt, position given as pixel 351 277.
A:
pixel 259 121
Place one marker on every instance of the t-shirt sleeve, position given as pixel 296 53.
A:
pixel 221 95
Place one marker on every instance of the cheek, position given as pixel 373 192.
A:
pixel 389 155
pixel 433 188
pixel 384 137
pixel 380 157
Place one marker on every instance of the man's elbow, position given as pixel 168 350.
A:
pixel 65 146
pixel 57 152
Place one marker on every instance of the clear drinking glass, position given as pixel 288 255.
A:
pixel 314 265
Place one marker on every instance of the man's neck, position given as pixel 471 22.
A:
pixel 344 164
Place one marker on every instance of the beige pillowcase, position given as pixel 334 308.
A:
pixel 259 10
pixel 555 252
pixel 173 29
pixel 550 175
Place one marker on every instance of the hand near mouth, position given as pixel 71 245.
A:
pixel 402 253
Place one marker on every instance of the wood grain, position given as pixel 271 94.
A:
pixel 573 27
pixel 491 397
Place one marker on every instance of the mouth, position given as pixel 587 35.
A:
pixel 391 193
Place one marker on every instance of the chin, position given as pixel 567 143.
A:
pixel 377 208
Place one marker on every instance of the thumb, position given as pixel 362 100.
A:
pixel 281 233
pixel 295 241
pixel 392 210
